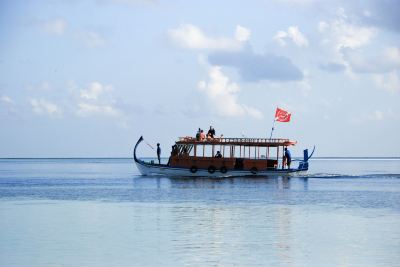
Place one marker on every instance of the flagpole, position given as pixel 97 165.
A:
pixel 273 123
pixel 273 127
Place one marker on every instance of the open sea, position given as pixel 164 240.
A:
pixel 101 212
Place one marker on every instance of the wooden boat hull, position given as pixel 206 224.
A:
pixel 164 170
pixel 147 168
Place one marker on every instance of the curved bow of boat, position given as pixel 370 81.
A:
pixel 134 150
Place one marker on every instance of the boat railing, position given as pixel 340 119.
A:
pixel 229 140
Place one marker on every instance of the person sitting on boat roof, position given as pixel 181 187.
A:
pixel 218 155
pixel 288 157
pixel 211 132
pixel 198 135
pixel 202 135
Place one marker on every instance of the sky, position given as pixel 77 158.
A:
pixel 88 78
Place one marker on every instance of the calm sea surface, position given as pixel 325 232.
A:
pixel 101 212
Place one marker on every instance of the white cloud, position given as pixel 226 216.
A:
pixel 94 90
pixel 223 95
pixel 6 100
pixel 7 105
pixel 54 27
pixel 41 106
pixel 97 99
pixel 389 81
pixel 191 37
pixel 293 33
pixel 383 66
pixel 242 34
pixel 88 109
pixel 373 61
pixel 342 34
pixel 348 45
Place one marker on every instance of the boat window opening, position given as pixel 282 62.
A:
pixel 208 151
pixel 192 150
pixel 184 150
pixel 237 152
pixel 178 149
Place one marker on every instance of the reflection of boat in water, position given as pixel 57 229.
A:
pixel 238 157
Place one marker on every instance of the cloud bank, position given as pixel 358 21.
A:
pixel 257 67
pixel 343 34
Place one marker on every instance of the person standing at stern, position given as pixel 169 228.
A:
pixel 288 157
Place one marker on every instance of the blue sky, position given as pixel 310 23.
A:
pixel 87 78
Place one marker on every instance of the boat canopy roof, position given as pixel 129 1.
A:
pixel 258 142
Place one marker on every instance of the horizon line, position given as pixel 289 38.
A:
pixel 320 157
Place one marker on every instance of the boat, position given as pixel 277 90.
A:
pixel 191 157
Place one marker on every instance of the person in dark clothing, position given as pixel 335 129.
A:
pixel 174 150
pixel 288 157
pixel 218 155
pixel 159 153
pixel 211 132
pixel 198 135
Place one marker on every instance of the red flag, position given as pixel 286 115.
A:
pixel 282 115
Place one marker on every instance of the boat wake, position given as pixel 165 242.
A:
pixel 352 176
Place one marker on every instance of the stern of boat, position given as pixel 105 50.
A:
pixel 303 165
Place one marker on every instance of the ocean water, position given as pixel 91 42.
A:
pixel 101 212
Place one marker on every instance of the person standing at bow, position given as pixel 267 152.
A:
pixel 159 153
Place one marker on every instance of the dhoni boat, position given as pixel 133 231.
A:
pixel 191 157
